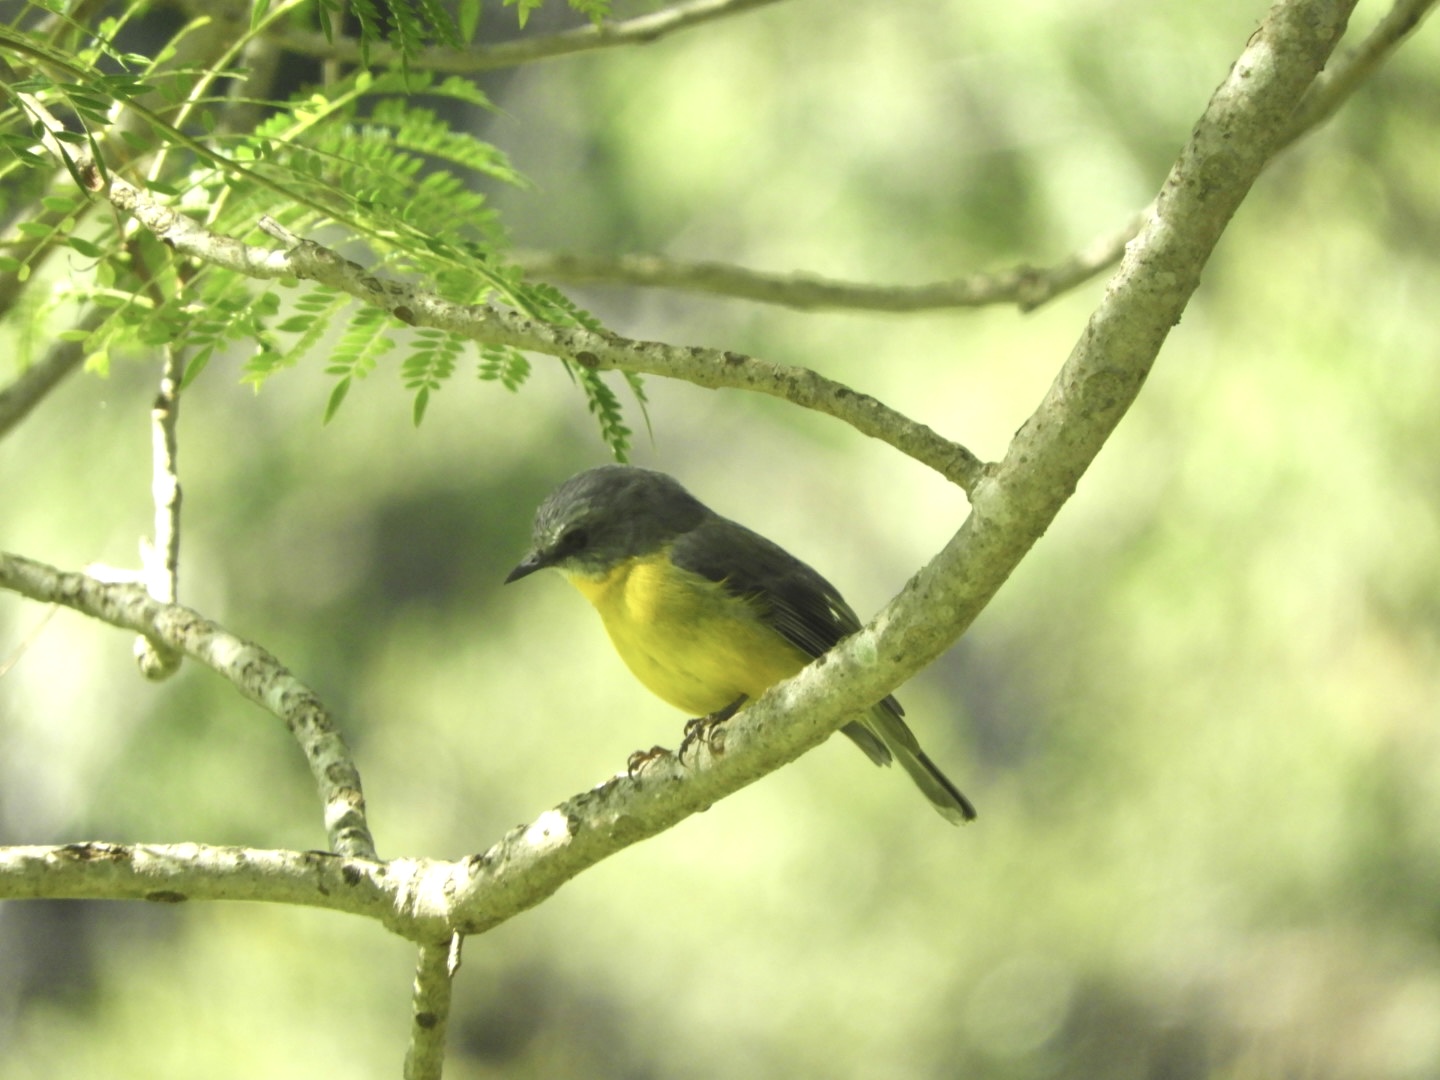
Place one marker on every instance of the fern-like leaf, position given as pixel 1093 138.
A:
pixel 428 366
pixel 356 353
pixel 503 364
pixel 605 407
pixel 357 155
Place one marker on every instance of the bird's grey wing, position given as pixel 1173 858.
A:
pixel 810 613
pixel 800 604
pixel 791 596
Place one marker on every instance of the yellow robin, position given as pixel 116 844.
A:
pixel 705 612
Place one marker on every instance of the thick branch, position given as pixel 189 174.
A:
pixel 253 671
pixel 1244 123
pixel 640 30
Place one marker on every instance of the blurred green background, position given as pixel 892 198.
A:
pixel 1200 722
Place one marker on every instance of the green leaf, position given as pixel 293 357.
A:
pixel 637 387
pixel 523 9
pixel 594 10
pixel 337 396
pixel 85 247
pixel 460 89
pixel 469 19
pixel 196 365
pixel 605 406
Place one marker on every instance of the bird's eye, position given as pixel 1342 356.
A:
pixel 574 539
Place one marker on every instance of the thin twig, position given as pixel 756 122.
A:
pixel 160 557
pixel 640 30
pixel 417 306
pixel 1341 79
pixel 1026 287
pixel 430 1009
pixel 258 675
pixel 34 236
pixel 48 220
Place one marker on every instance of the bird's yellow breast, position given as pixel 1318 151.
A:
pixel 689 641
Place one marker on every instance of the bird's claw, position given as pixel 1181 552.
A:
pixel 641 758
pixel 709 729
pixel 702 727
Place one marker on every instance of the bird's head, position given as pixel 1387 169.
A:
pixel 603 517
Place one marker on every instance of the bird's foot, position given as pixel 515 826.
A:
pixel 709 729
pixel 641 758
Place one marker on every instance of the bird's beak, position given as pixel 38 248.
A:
pixel 532 562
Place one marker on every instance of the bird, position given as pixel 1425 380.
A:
pixel 706 613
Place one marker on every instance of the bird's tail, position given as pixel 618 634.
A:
pixel 884 736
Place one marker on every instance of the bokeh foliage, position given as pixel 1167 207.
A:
pixel 1200 723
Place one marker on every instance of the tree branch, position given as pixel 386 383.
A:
pixel 1245 122
pixel 605 351
pixel 1027 287
pixel 640 30
pixel 32 246
pixel 253 671
pixel 430 1009
pixel 417 306
pixel 1340 80
pixel 172 873
pixel 160 556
